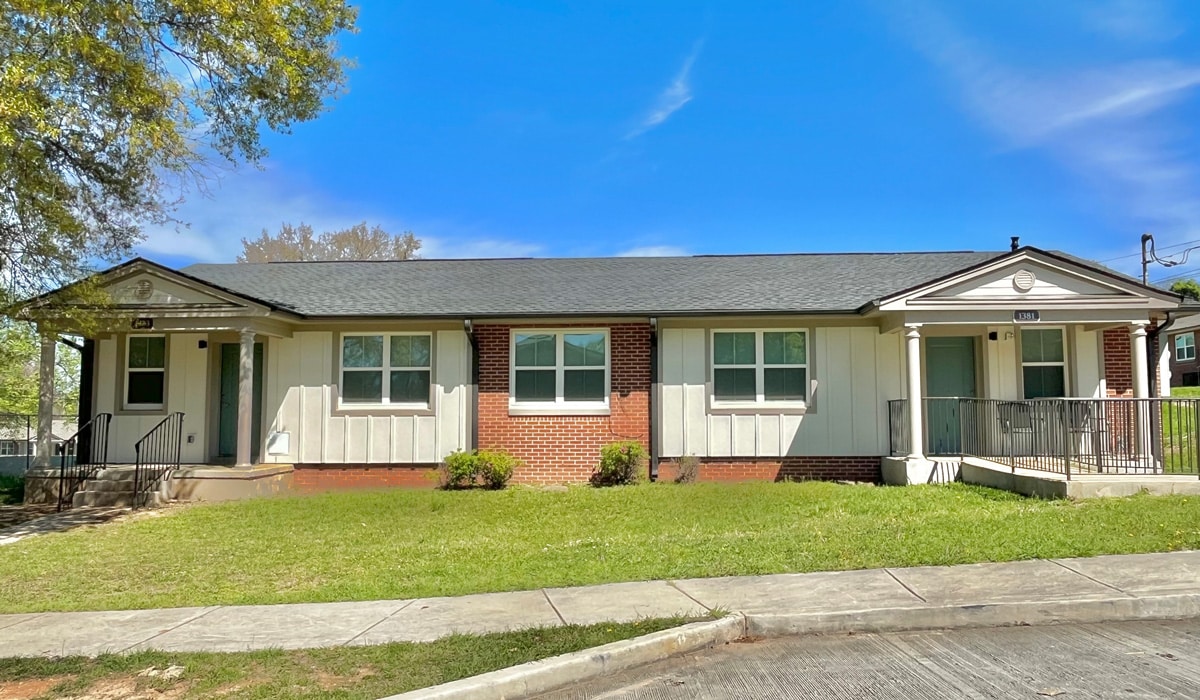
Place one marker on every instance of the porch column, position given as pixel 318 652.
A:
pixel 1141 369
pixel 916 435
pixel 245 413
pixel 45 417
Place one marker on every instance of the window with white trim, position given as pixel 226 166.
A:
pixel 563 369
pixel 759 366
pixel 392 369
pixel 145 372
pixel 1185 347
pixel 1043 363
pixel 10 448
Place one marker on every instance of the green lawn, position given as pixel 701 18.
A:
pixel 340 672
pixel 1181 433
pixel 403 544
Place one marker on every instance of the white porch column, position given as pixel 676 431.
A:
pixel 1141 370
pixel 916 434
pixel 245 414
pixel 1164 365
pixel 45 417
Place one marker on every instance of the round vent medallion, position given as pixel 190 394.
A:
pixel 1024 280
pixel 143 290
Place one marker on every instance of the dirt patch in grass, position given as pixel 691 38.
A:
pixel 30 688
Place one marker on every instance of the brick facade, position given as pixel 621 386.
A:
pixel 780 469
pixel 1118 362
pixel 333 477
pixel 558 449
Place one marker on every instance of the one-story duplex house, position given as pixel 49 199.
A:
pixel 1181 343
pixel 320 375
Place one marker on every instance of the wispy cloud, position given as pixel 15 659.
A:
pixel 672 99
pixel 653 251
pixel 1132 20
pixel 1110 125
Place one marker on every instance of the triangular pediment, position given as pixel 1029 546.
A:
pixel 149 289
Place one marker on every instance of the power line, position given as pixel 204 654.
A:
pixel 1189 272
pixel 1134 255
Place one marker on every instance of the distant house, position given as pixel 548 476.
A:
pixel 338 374
pixel 1181 343
pixel 18 442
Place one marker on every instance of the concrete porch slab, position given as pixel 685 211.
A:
pixel 1143 574
pixel 428 619
pixel 801 593
pixel 621 602
pixel 66 634
pixel 1010 582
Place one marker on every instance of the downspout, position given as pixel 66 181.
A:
pixel 1152 339
pixel 655 386
pixel 87 379
pixel 473 428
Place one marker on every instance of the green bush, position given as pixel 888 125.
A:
pixel 620 463
pixel 496 467
pixel 459 470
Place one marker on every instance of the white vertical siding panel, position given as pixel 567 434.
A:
pixel 768 435
pixel 694 364
pixel 838 406
pixel 867 405
pixel 451 368
pixel 356 437
pixel 334 440
pixel 1087 363
pixel 403 448
pixel 425 430
pixel 889 382
pixel 745 439
pixel 789 434
pixel 720 435
pixel 671 403
pixel 380 441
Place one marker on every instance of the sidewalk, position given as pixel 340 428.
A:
pixel 1078 590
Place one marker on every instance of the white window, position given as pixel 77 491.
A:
pixel 145 372
pixel 10 448
pixel 559 370
pixel 1185 347
pixel 1043 363
pixel 392 369
pixel 759 367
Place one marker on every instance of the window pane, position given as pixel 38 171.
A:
pixel 145 388
pixel 410 386
pixel 410 350
pixel 583 385
pixel 362 387
pixel 362 351
pixel 784 348
pixel 781 384
pixel 733 348
pixel 534 385
pixel 1044 382
pixel 535 350
pixel 147 352
pixel 1042 345
pixel 583 349
pixel 734 385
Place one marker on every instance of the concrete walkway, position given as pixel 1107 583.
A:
pixel 59 522
pixel 1005 593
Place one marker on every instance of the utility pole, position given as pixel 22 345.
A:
pixel 1146 238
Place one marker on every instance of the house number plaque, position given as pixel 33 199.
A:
pixel 142 324
pixel 1026 316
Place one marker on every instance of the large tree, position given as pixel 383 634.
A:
pixel 1188 288
pixel 297 243
pixel 109 109
pixel 19 389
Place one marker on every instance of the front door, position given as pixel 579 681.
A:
pixel 949 371
pixel 227 434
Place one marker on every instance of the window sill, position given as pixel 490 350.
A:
pixel 557 410
pixel 794 408
pixel 386 409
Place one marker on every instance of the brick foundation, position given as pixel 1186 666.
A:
pixel 794 468
pixel 332 477
pixel 558 449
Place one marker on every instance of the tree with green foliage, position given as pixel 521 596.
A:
pixel 297 243
pixel 109 111
pixel 1189 289
pixel 20 352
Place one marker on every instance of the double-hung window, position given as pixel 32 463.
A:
pixel 145 372
pixel 1185 347
pixel 559 369
pixel 1043 363
pixel 759 366
pixel 387 369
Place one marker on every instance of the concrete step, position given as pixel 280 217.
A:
pixel 112 499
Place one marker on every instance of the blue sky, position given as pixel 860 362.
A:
pixel 588 128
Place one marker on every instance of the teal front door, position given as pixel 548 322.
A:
pixel 949 372
pixel 227 434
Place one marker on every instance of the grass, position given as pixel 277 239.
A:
pixel 12 490
pixel 1181 433
pixel 340 672
pixel 406 544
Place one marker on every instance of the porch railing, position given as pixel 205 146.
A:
pixel 156 456
pixel 81 457
pixel 1064 436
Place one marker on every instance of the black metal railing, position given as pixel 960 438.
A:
pixel 156 456
pixel 1065 436
pixel 81 457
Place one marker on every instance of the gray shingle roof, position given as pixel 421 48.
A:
pixel 586 286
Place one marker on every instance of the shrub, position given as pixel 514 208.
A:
pixel 689 470
pixel 459 470
pixel 620 463
pixel 496 467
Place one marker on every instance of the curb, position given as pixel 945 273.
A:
pixel 558 671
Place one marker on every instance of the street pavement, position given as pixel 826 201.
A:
pixel 1159 659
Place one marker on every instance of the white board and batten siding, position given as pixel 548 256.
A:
pixel 853 371
pixel 300 398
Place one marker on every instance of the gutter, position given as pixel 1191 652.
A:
pixel 473 428
pixel 655 387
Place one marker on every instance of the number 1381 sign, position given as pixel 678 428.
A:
pixel 1026 316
